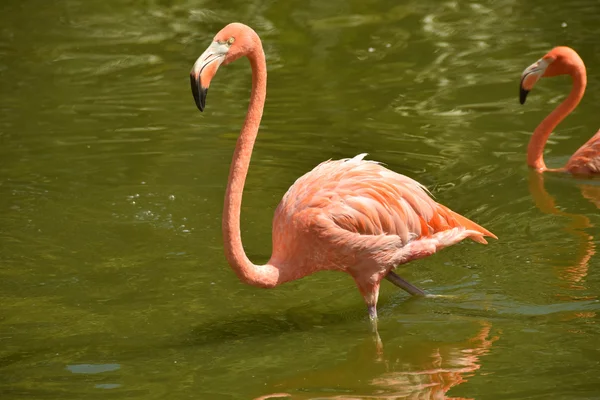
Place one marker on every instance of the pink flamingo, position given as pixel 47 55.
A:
pixel 349 215
pixel 560 61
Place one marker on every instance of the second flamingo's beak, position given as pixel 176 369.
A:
pixel 530 76
pixel 204 70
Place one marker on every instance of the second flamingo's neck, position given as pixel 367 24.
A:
pixel 535 150
pixel 257 275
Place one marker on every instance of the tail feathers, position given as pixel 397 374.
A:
pixel 478 232
pixel 478 237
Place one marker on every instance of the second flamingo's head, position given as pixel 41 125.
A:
pixel 231 43
pixel 558 61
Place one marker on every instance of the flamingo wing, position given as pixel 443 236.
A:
pixel 586 160
pixel 365 198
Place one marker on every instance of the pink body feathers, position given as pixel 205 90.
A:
pixel 359 217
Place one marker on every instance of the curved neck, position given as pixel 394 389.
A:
pixel 257 275
pixel 535 150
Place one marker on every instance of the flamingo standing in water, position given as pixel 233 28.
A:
pixel 560 61
pixel 349 215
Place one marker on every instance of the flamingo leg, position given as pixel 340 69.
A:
pixel 373 317
pixel 402 284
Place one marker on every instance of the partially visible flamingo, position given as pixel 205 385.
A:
pixel 349 215
pixel 560 61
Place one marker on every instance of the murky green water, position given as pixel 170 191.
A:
pixel 113 282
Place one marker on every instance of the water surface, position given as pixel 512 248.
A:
pixel 113 282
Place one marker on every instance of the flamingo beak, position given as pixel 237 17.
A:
pixel 530 76
pixel 198 92
pixel 523 94
pixel 204 70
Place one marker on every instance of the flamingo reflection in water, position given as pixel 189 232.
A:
pixel 574 275
pixel 427 370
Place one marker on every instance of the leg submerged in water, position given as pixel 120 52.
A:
pixel 373 317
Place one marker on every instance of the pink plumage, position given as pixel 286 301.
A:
pixel 586 160
pixel 350 215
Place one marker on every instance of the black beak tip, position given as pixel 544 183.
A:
pixel 202 103
pixel 523 95
pixel 199 93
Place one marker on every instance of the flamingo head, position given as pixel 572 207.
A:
pixel 231 43
pixel 558 61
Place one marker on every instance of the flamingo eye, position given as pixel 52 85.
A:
pixel 230 40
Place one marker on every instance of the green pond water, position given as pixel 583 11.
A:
pixel 113 282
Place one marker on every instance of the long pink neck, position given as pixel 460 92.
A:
pixel 257 275
pixel 535 150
